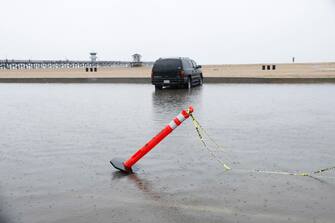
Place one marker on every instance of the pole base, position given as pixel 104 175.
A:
pixel 117 163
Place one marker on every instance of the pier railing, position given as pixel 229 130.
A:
pixel 59 64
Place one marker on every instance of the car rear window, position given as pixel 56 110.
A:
pixel 167 64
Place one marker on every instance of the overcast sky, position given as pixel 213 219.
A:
pixel 209 31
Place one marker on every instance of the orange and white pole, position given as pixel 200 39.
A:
pixel 127 166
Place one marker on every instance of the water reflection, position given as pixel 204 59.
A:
pixel 169 101
pixel 141 184
pixel 116 175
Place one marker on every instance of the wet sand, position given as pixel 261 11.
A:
pixel 57 139
pixel 240 73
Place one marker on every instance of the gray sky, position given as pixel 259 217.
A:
pixel 209 31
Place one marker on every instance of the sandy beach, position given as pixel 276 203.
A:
pixel 282 71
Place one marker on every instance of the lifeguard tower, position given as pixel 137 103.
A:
pixel 92 66
pixel 136 60
pixel 93 57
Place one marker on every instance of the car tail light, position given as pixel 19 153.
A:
pixel 181 73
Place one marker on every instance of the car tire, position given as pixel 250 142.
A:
pixel 201 81
pixel 189 83
pixel 158 87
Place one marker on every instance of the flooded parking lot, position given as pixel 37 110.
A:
pixel 56 141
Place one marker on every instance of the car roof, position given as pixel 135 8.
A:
pixel 176 58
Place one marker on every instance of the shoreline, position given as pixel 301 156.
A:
pixel 224 73
pixel 145 80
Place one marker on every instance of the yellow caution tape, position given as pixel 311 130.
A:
pixel 201 131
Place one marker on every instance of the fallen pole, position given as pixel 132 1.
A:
pixel 128 165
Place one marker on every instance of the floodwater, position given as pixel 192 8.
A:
pixel 56 141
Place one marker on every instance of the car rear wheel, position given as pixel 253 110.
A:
pixel 189 83
pixel 201 81
pixel 158 87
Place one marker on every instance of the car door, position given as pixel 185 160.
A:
pixel 188 68
pixel 196 71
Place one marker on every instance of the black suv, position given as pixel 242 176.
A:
pixel 176 72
